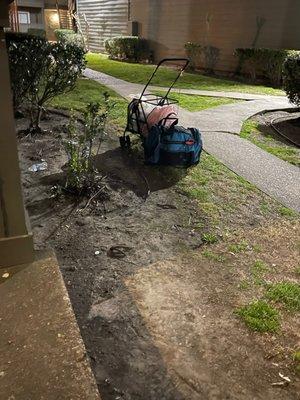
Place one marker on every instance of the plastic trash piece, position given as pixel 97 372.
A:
pixel 38 167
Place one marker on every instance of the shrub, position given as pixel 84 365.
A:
pixel 16 37
pixel 267 63
pixel 24 62
pixel 79 145
pixel 198 55
pixel 193 52
pixel 37 32
pixel 68 36
pixel 211 57
pixel 291 77
pixel 61 34
pixel 131 48
pixel 40 70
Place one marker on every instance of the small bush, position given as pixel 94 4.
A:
pixel 68 36
pixel 193 52
pixel 291 77
pixel 130 48
pixel 260 316
pixel 211 57
pixel 37 32
pixel 267 63
pixel 206 56
pixel 61 34
pixel 40 70
pixel 79 146
pixel 24 63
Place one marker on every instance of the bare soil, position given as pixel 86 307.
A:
pixel 155 314
pixel 286 122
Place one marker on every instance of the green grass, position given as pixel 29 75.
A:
pixel 286 293
pixel 296 356
pixel 197 103
pixel 244 284
pixel 139 73
pixel 258 270
pixel 87 91
pixel 250 131
pixel 209 238
pixel 219 192
pixel 260 316
pixel 210 255
pixel 296 359
pixel 287 212
pixel 238 247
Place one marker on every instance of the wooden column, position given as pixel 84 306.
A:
pixel 16 244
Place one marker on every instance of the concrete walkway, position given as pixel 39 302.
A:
pixel 220 127
pixel 42 353
pixel 213 93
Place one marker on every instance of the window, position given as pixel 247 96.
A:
pixel 24 17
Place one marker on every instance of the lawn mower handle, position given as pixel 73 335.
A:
pixel 157 67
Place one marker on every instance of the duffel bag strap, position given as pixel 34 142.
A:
pixel 172 116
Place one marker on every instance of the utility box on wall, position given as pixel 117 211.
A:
pixel 133 28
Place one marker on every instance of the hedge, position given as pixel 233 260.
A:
pixel 62 34
pixel 267 63
pixel 131 48
pixel 37 32
pixel 291 77
pixel 68 36
pixel 17 37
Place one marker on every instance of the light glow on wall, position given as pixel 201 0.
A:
pixel 54 18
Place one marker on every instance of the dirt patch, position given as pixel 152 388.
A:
pixel 155 313
pixel 286 124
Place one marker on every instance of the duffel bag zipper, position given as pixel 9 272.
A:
pixel 188 142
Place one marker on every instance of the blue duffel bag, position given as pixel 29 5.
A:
pixel 176 146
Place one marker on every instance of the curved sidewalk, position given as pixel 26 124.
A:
pixel 220 127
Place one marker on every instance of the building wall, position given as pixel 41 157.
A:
pixel 226 24
pixel 36 18
pixel 102 19
pixel 43 15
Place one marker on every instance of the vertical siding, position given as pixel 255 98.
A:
pixel 106 18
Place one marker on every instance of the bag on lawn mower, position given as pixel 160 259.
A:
pixel 177 146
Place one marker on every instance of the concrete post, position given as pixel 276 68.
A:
pixel 16 244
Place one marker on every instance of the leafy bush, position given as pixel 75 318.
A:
pixel 23 49
pixel 61 34
pixel 206 56
pixel 193 52
pixel 79 145
pixel 267 63
pixel 17 37
pixel 40 70
pixel 37 32
pixel 68 36
pixel 131 48
pixel 291 77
